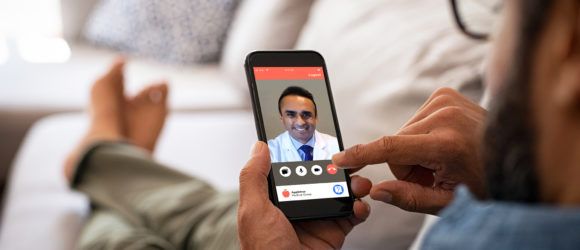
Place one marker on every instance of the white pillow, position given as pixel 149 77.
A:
pixel 261 25
pixel 386 57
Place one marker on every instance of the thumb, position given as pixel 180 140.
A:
pixel 411 196
pixel 254 176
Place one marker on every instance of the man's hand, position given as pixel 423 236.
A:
pixel 261 225
pixel 436 150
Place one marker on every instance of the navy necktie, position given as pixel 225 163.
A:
pixel 307 150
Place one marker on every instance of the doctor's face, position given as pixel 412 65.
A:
pixel 299 117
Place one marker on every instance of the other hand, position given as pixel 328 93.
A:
pixel 433 152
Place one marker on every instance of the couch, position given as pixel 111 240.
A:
pixel 384 58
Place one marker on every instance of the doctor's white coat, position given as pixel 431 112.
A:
pixel 282 149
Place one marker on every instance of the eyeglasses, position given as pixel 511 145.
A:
pixel 476 18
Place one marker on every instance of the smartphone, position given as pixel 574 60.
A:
pixel 294 113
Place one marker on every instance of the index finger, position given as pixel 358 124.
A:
pixel 397 149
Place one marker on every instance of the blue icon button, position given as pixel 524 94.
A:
pixel 338 189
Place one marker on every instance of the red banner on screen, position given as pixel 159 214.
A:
pixel 288 73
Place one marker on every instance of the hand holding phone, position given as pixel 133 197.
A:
pixel 294 113
pixel 261 225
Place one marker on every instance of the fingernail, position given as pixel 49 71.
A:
pixel 337 156
pixel 367 205
pixel 119 60
pixel 383 196
pixel 256 148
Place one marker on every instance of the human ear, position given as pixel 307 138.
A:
pixel 567 89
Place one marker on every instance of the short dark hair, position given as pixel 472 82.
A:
pixel 294 90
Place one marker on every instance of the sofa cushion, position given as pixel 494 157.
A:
pixel 66 86
pixel 178 31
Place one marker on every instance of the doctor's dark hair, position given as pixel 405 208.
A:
pixel 294 90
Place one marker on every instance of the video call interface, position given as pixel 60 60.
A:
pixel 301 135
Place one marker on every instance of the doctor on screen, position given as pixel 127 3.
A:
pixel 300 141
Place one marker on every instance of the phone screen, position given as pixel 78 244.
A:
pixel 301 133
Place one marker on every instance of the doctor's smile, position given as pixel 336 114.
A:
pixel 300 129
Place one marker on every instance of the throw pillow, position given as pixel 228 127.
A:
pixel 177 31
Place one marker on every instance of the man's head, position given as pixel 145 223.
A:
pixel 298 113
pixel 532 143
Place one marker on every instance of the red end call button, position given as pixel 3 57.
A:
pixel 331 169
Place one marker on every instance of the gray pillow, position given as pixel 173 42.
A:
pixel 172 31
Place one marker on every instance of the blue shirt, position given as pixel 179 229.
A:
pixel 298 144
pixel 468 223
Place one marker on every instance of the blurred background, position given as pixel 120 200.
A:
pixel 384 58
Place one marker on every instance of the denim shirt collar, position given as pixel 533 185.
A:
pixel 471 224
